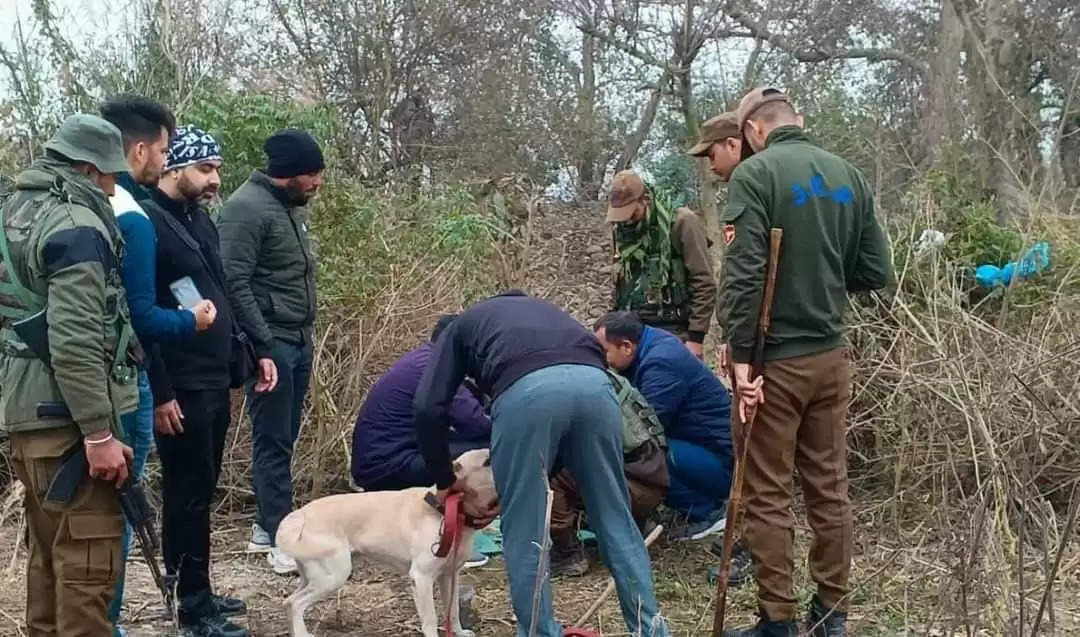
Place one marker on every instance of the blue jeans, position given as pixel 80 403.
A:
pixel 700 478
pixel 275 424
pixel 139 430
pixel 569 411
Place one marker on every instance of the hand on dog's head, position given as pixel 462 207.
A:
pixel 476 483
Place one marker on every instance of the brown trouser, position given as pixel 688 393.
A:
pixel 800 425
pixel 567 506
pixel 75 549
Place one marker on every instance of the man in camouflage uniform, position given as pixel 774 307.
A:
pixel 663 268
pixel 64 384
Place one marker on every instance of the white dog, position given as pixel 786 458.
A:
pixel 398 528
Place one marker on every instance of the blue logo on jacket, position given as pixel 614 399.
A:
pixel 841 195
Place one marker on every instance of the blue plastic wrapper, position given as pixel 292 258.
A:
pixel 1035 261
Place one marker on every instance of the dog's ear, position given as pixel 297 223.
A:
pixel 487 461
pixel 457 468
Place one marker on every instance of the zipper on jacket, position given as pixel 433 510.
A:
pixel 307 267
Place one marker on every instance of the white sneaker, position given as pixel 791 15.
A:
pixel 281 563
pixel 260 540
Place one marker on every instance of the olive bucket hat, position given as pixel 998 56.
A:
pixel 90 139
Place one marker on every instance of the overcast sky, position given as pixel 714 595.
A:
pixel 79 18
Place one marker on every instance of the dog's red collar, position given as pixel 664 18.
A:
pixel 433 502
pixel 453 521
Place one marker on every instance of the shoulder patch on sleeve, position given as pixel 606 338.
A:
pixel 729 234
pixel 73 246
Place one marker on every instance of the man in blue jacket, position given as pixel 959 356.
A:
pixel 693 406
pixel 145 128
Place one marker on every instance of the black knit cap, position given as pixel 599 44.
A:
pixel 291 152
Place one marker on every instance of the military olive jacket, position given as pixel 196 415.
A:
pixel 269 263
pixel 66 251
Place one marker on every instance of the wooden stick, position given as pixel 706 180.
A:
pixel 655 533
pixel 757 362
pixel 1074 509
pixel 545 546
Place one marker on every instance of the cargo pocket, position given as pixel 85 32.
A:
pixel 91 552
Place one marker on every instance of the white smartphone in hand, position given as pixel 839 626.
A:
pixel 187 295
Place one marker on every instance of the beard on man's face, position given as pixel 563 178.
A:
pixel 193 193
pixel 296 192
pixel 148 178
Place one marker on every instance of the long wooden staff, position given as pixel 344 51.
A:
pixel 757 362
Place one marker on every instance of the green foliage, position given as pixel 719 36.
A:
pixel 975 236
pixel 674 174
pixel 365 238
pixel 241 122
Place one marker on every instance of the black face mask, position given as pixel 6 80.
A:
pixel 628 230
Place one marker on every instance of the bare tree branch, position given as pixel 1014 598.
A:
pixel 629 49
pixel 824 55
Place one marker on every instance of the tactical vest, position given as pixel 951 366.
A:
pixel 18 302
pixel 640 422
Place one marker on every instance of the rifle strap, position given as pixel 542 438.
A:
pixel 14 285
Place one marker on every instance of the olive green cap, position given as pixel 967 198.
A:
pixel 715 130
pixel 90 139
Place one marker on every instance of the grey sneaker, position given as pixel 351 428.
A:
pixel 740 570
pixel 476 559
pixel 260 540
pixel 712 524
pixel 281 563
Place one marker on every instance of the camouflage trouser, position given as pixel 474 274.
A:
pixel 75 550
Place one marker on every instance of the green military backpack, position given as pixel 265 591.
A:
pixel 640 422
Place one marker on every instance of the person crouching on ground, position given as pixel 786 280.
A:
pixel 385 452
pixel 695 409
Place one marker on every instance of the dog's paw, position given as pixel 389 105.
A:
pixel 464 632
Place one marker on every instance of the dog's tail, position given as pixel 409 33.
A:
pixel 297 540
pixel 289 531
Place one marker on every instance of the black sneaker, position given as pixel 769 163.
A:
pixel 822 621
pixel 227 606
pixel 214 626
pixel 568 559
pixel 741 569
pixel 766 628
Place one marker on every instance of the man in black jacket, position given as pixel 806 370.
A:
pixel 552 397
pixel 191 381
pixel 270 269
